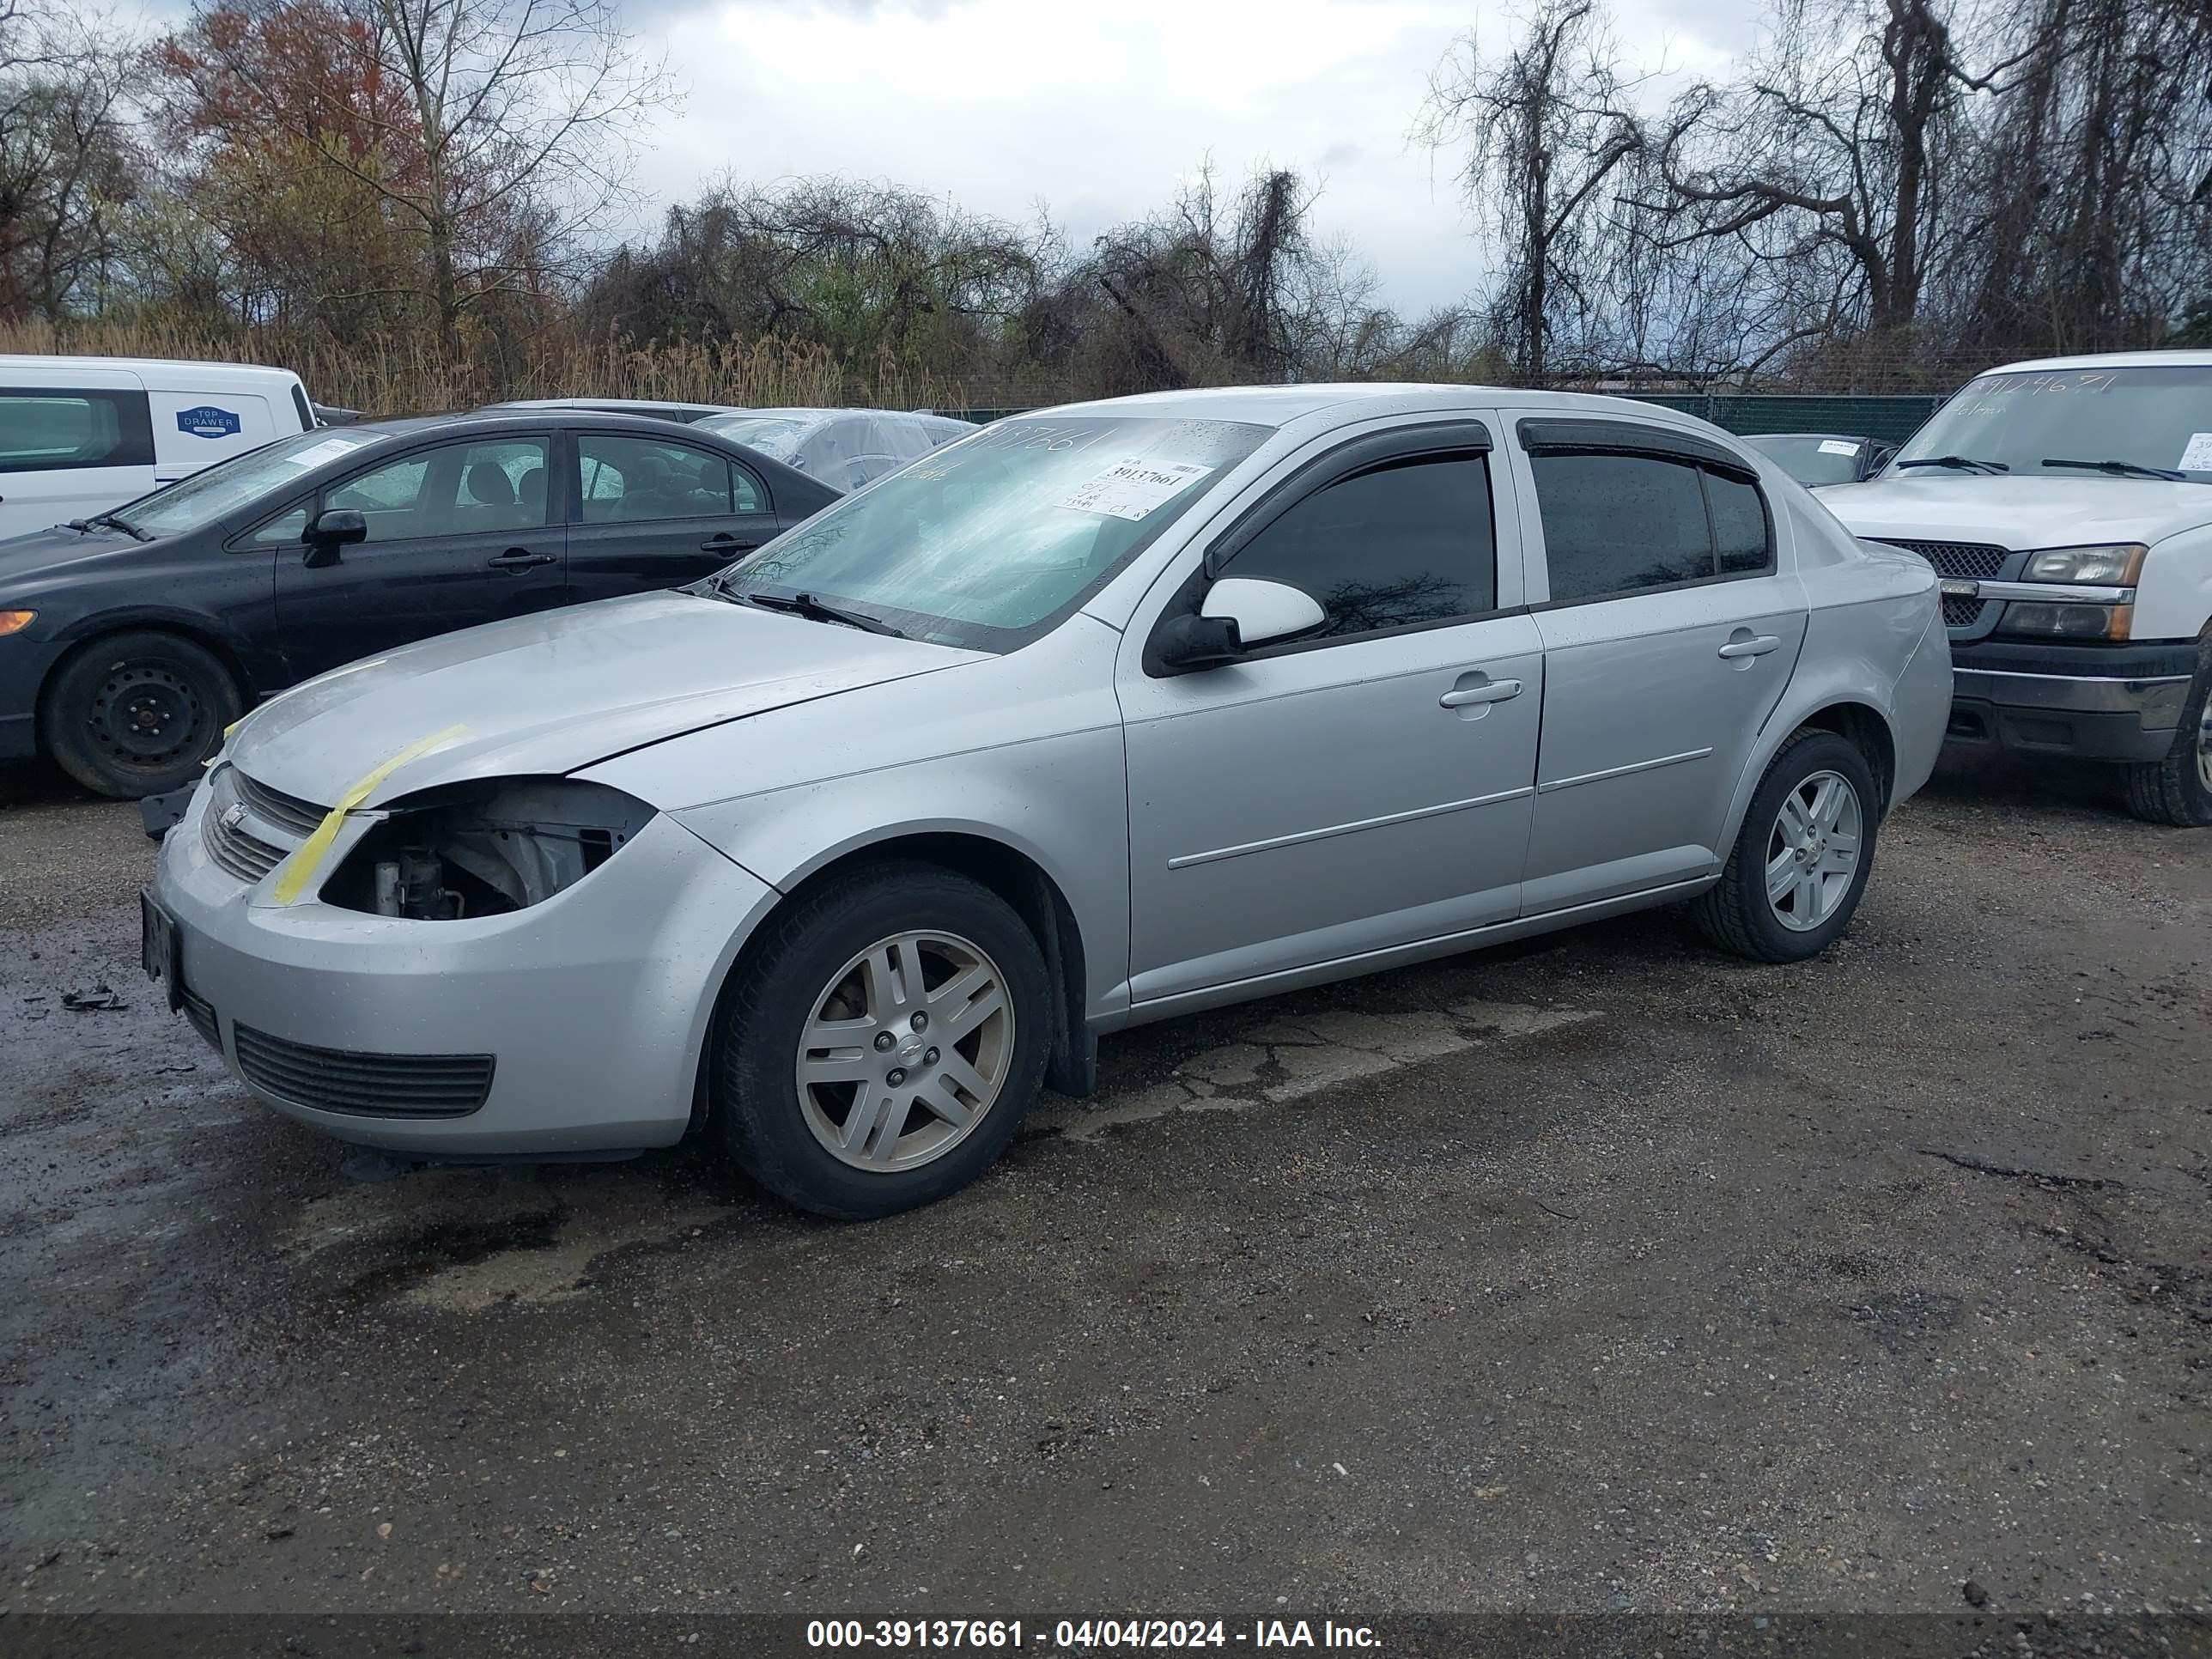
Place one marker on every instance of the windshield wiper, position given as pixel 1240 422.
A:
pixel 805 605
pixel 1957 463
pixel 2123 470
pixel 86 527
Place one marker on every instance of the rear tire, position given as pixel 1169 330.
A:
pixel 1817 801
pixel 902 955
pixel 2178 790
pixel 136 714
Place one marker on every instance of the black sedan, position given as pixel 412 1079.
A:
pixel 1817 460
pixel 128 641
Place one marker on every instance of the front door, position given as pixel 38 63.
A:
pixel 1366 786
pixel 651 512
pixel 458 534
pixel 1668 636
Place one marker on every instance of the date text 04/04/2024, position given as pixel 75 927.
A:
pixel 1083 1633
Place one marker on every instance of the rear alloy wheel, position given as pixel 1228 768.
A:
pixel 1794 878
pixel 136 714
pixel 881 1040
pixel 2177 789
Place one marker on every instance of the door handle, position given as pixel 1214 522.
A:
pixel 1489 692
pixel 1758 646
pixel 518 558
pixel 726 543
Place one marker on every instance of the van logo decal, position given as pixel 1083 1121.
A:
pixel 207 421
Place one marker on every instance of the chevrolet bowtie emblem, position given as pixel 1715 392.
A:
pixel 1954 589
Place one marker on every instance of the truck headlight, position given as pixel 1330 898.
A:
pixel 2108 564
pixel 2067 622
pixel 484 848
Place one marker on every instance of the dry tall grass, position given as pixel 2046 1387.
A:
pixel 414 376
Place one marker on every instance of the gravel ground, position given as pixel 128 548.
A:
pixel 1599 1272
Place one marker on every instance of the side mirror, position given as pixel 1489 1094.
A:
pixel 1262 611
pixel 332 529
pixel 1238 613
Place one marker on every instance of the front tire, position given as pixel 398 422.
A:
pixel 2177 789
pixel 136 714
pixel 1793 880
pixel 882 1040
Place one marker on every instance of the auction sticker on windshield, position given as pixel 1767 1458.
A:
pixel 1130 490
pixel 2197 457
pixel 1838 446
pixel 329 449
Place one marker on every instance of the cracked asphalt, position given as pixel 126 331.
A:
pixel 1596 1271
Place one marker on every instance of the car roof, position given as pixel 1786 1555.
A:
pixel 1808 437
pixel 2175 359
pixel 1279 405
pixel 612 403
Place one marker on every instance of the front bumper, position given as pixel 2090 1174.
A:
pixel 2118 702
pixel 593 1007
pixel 23 667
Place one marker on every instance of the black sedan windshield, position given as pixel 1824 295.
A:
pixel 2155 420
pixel 990 542
pixel 224 488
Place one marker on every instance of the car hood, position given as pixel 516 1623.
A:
pixel 61 552
pixel 549 693
pixel 2020 513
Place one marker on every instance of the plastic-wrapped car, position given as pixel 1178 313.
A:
pixel 843 449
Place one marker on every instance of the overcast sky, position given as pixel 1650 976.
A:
pixel 1097 108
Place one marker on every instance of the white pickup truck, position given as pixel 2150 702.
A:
pixel 2067 505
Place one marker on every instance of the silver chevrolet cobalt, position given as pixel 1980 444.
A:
pixel 1095 717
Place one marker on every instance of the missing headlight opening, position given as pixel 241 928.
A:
pixel 484 849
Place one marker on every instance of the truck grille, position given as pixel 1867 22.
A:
pixel 345 1080
pixel 1978 559
pixel 1962 613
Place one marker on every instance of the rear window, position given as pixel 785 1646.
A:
pixel 55 429
pixel 1617 523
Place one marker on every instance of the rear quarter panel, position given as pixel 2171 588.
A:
pixel 1872 637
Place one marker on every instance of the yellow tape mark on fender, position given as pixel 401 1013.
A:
pixel 307 858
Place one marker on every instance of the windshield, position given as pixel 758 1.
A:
pixel 774 436
pixel 989 543
pixel 228 485
pixel 1815 460
pixel 2159 418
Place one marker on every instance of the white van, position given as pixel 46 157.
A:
pixel 79 435
pixel 2067 505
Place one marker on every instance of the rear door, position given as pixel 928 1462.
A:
pixel 1670 633
pixel 458 534
pixel 651 512
pixel 72 445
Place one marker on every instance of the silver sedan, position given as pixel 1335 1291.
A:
pixel 1095 717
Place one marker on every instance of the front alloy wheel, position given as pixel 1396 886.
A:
pixel 880 1039
pixel 906 1052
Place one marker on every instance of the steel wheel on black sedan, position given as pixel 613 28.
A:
pixel 881 1040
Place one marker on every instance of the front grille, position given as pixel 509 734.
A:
pixel 1978 559
pixel 274 806
pixel 343 1080
pixel 1961 613
pixel 202 1016
pixel 246 856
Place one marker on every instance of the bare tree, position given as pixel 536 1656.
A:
pixel 1548 134
pixel 495 132
pixel 1834 159
pixel 68 162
